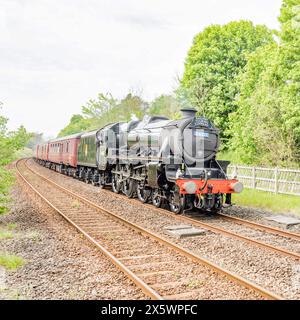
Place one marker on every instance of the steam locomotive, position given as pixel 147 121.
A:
pixel 167 162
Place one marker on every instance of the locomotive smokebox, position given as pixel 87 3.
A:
pixel 188 113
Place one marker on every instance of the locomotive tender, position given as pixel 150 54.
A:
pixel 156 159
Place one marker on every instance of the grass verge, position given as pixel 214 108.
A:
pixel 279 203
pixel 11 262
pixel 5 234
pixel 6 231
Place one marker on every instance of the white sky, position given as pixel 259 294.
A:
pixel 57 54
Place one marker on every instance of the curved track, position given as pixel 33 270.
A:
pixel 133 249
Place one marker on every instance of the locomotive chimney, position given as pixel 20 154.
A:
pixel 188 113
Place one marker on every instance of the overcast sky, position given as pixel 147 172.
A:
pixel 57 54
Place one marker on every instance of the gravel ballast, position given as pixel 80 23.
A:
pixel 182 276
pixel 273 271
pixel 59 262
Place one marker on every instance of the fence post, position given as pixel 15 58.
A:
pixel 276 179
pixel 235 172
pixel 253 178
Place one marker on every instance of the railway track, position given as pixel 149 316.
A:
pixel 162 269
pixel 223 231
pixel 191 219
pixel 259 226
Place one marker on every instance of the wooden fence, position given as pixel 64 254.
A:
pixel 285 181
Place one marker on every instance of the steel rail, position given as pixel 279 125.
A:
pixel 207 226
pixel 220 230
pixel 136 280
pixel 196 258
pixel 231 234
pixel 262 227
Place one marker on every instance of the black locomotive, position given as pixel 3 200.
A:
pixel 156 159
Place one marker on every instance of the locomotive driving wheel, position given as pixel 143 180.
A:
pixel 95 179
pixel 176 203
pixel 129 187
pixel 157 200
pixel 116 184
pixel 102 182
pixel 143 193
pixel 86 179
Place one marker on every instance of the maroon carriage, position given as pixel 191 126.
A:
pixel 63 151
pixel 42 151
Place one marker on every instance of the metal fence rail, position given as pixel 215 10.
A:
pixel 285 181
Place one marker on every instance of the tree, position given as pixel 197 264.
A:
pixel 132 106
pixel 214 62
pixel 10 142
pixel 165 105
pixel 103 110
pixel 76 124
pixel 266 127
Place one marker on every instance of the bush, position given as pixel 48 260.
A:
pixel 6 181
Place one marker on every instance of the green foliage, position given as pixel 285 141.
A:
pixel 229 155
pixel 77 124
pixel 290 21
pixel 249 85
pixel 214 62
pixel 165 105
pixel 103 110
pixel 10 143
pixel 6 180
pixel 266 126
pixel 106 109
pixel 5 234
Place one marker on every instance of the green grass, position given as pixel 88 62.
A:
pixel 11 226
pixel 5 235
pixel 75 204
pixel 5 231
pixel 3 209
pixel 11 262
pixel 280 203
